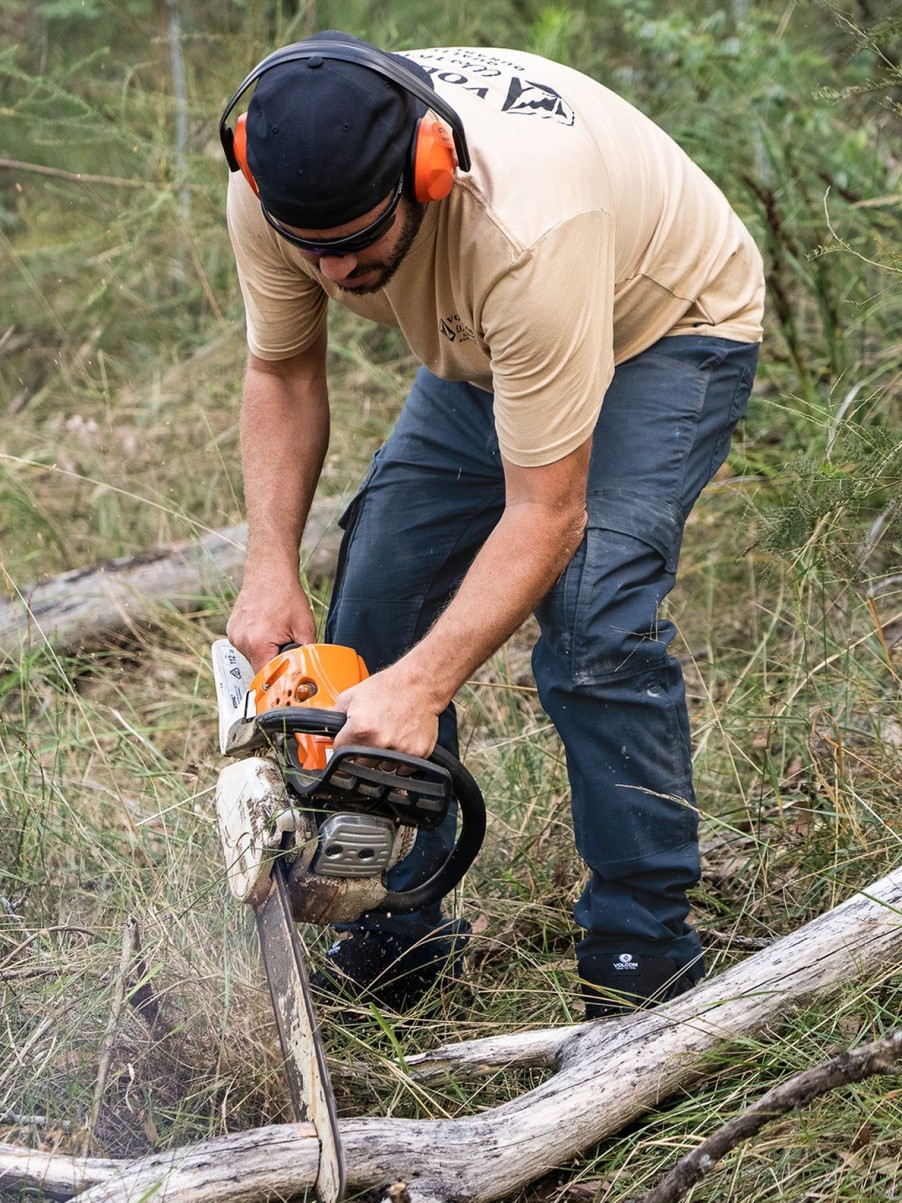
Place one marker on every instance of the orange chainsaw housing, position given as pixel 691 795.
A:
pixel 311 675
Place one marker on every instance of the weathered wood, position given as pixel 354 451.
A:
pixel 608 1073
pixel 57 1175
pixel 534 1049
pixel 83 605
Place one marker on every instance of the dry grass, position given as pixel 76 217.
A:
pixel 108 763
pixel 120 382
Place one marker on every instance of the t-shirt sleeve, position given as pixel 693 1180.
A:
pixel 548 322
pixel 285 308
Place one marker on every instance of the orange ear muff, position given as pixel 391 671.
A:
pixel 240 148
pixel 434 160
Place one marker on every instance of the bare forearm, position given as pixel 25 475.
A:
pixel 539 531
pixel 517 565
pixel 519 562
pixel 283 444
pixel 284 436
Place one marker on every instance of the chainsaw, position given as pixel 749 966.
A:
pixel 309 833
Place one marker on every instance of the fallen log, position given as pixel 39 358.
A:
pixel 83 605
pixel 607 1074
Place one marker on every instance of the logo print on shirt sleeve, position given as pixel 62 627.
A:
pixel 454 328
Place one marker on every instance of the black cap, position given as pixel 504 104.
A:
pixel 328 140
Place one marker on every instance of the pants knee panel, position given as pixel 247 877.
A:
pixel 602 618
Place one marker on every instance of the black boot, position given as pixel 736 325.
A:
pixel 616 983
pixel 393 971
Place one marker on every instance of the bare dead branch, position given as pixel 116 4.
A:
pixel 36 935
pixel 879 1057
pixel 77 177
pixel 520 1050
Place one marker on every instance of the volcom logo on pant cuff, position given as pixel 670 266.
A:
pixel 625 961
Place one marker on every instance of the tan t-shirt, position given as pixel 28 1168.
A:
pixel 581 236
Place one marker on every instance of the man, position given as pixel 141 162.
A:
pixel 587 310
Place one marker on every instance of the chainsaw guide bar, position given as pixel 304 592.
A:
pixel 310 833
pixel 306 1071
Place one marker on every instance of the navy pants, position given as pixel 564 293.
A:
pixel 429 500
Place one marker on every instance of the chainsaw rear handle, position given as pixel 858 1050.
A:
pixel 307 720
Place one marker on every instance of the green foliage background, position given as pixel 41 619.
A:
pixel 791 108
pixel 121 352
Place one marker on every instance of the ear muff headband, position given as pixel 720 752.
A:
pixel 430 165
pixel 432 155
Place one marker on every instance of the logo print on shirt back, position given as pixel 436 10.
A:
pixel 536 100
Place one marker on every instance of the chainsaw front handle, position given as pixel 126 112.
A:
pixel 472 832
pixel 307 720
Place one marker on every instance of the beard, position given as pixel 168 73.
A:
pixel 413 219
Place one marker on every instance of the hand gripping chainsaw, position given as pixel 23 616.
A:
pixel 309 834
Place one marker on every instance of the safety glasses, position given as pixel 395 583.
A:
pixel 350 244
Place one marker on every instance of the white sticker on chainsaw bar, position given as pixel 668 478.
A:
pixel 233 675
